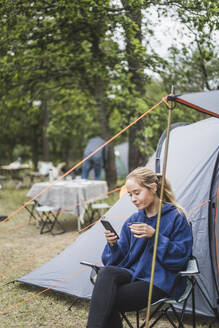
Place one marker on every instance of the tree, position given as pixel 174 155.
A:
pixel 194 66
pixel 66 56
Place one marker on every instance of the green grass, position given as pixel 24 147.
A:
pixel 20 243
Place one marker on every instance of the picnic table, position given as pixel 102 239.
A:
pixel 71 196
pixel 13 170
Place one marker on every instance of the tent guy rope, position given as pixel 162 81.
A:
pixel 85 159
pixel 66 208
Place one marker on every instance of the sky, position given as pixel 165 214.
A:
pixel 167 32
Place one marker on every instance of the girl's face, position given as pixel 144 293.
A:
pixel 141 197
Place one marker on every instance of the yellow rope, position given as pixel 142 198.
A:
pixel 158 220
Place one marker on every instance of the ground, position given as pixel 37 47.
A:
pixel 23 249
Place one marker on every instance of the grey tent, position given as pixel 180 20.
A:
pixel 205 102
pixel 192 168
pixel 121 156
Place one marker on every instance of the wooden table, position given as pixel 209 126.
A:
pixel 14 170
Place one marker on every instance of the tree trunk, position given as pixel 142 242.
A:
pixel 35 147
pixel 45 114
pixel 99 95
pixel 136 156
pixel 110 166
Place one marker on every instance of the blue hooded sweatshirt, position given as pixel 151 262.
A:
pixel 173 250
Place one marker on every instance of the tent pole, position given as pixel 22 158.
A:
pixel 159 214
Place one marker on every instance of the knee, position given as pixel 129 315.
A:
pixel 113 273
pixel 108 272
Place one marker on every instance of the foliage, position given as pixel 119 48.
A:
pixel 70 70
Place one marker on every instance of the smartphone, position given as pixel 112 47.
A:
pixel 107 225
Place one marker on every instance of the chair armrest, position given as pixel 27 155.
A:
pixel 192 268
pixel 93 266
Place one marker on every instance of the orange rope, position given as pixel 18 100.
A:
pixel 65 279
pixel 89 200
pixel 69 171
pixel 43 291
pixel 90 225
pixel 81 162
pixel 54 246
pixel 44 252
pixel 70 277
pixel 165 100
pixel 198 206
pixel 66 208
pixel 35 256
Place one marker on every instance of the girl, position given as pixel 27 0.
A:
pixel 123 284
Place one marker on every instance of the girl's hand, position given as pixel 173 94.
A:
pixel 142 230
pixel 110 237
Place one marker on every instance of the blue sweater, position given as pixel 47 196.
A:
pixel 173 250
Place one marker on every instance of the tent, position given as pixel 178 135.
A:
pixel 205 102
pixel 121 157
pixel 192 168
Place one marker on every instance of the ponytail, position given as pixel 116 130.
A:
pixel 146 177
pixel 168 195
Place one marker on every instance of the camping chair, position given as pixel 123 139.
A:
pixel 49 218
pixel 3 217
pixel 165 305
pixel 30 208
pixel 95 210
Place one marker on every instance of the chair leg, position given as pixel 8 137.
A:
pixel 124 317
pixel 137 319
pixel 193 305
pixel 46 222
pixel 163 313
pixel 155 321
pixel 56 221
pixel 50 223
pixel 172 322
pixel 31 212
pixel 89 214
pixel 69 309
pixel 157 309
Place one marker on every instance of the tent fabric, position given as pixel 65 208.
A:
pixel 121 156
pixel 206 102
pixel 192 168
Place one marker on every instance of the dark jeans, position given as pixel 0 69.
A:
pixel 96 164
pixel 113 293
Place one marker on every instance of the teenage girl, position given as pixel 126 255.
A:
pixel 123 283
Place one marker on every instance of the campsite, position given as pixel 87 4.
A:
pixel 102 102
pixel 83 247
pixel 49 309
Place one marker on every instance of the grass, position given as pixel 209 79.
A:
pixel 20 242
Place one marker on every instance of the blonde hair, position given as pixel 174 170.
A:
pixel 145 177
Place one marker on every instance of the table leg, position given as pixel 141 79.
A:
pixel 81 218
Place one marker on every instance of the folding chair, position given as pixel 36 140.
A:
pixel 99 208
pixel 3 217
pixel 95 210
pixel 163 306
pixel 49 218
pixel 30 208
